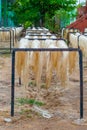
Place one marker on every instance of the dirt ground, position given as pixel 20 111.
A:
pixel 61 109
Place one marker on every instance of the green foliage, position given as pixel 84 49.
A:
pixel 62 17
pixel 36 12
pixel 27 24
pixel 59 20
pixel 51 24
pixel 24 101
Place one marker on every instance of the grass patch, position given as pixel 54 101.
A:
pixel 32 83
pixel 24 101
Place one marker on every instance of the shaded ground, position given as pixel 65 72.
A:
pixel 61 103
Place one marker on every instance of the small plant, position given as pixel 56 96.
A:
pixel 32 83
pixel 24 101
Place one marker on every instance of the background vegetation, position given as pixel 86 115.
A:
pixel 52 14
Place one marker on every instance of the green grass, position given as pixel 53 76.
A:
pixel 32 83
pixel 24 101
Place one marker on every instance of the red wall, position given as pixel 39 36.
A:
pixel 80 23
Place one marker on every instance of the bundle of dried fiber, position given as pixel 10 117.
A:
pixel 20 57
pixel 64 62
pixel 53 64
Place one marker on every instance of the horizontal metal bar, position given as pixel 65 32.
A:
pixel 41 34
pixel 5 53
pixel 4 48
pixel 3 30
pixel 46 49
pixel 45 39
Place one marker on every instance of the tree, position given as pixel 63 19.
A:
pixel 34 11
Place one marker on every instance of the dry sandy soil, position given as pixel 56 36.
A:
pixel 62 104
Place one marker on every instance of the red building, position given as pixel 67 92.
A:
pixel 81 22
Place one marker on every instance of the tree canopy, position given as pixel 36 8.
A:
pixel 34 11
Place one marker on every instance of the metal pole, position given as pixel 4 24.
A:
pixel 10 40
pixel 12 83
pixel 81 83
pixel 13 37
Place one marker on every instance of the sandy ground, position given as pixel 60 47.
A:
pixel 61 104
